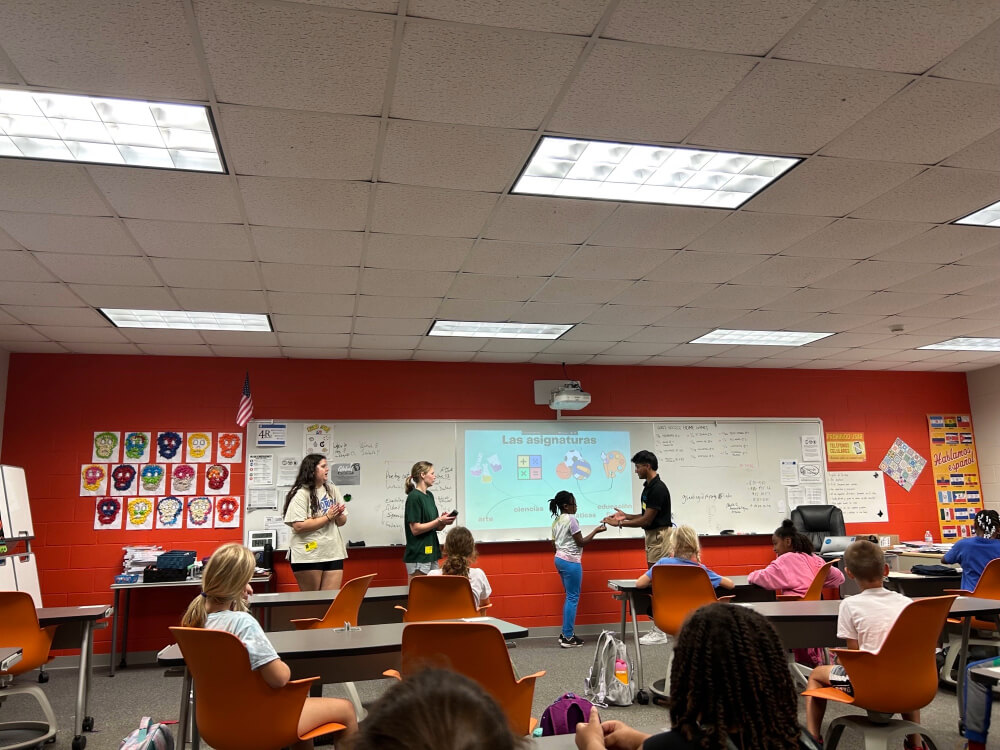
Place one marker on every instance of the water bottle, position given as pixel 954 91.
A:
pixel 267 558
pixel 928 539
pixel 621 671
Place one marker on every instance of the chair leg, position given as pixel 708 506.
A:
pixel 352 695
pixel 950 659
pixel 876 736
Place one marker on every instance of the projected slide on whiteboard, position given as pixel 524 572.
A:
pixel 511 474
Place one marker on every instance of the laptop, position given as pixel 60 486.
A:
pixel 835 544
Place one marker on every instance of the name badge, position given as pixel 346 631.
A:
pixel 310 546
pixel 428 550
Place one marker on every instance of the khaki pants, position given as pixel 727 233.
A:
pixel 657 541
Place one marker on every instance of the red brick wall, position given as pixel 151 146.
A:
pixel 55 403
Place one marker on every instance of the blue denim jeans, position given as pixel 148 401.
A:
pixel 572 578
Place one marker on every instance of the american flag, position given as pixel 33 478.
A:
pixel 245 410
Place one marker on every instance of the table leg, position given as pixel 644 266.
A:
pixel 635 641
pixel 79 719
pixel 180 739
pixel 114 631
pixel 624 604
pixel 963 660
pixel 128 601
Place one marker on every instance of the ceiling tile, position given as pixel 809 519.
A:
pixel 879 34
pixel 102 348
pixel 673 361
pixel 855 238
pixel 736 297
pixel 617 360
pixel 628 315
pixel 631 349
pixel 48 187
pixel 241 338
pixel 296 56
pixel 904 322
pixel 873 275
pixel 581 290
pixel 310 324
pixel 483 286
pixel 612 263
pixel 772 320
pixel 588 332
pixel 69 234
pixel 840 340
pixel 700 316
pixel 315 204
pixel 163 194
pixel 56 316
pixel 961 305
pixel 485 356
pixel 416 252
pixel 80 334
pixel 786 271
pixel 830 187
pixel 667 227
pixel 175 350
pixel 460 157
pixel 130 51
pixel 404 209
pixel 951 328
pixel 223 300
pixel 20 332
pixel 670 335
pixel 497 256
pixel 943 244
pixel 988 258
pixel 841 321
pixel 380 306
pixel 983 154
pixel 929 121
pixel 816 300
pixel 314 340
pixel 712 268
pixel 287 277
pixel 393 326
pixel 18 265
pixel 662 293
pixel 384 342
pixel 717 25
pixel 174 239
pixel 887 303
pixel 700 350
pixel 296 303
pixel 384 281
pixel 160 336
pixel 34 347
pixel 260 352
pixel 100 269
pixel 208 274
pixel 488 310
pixel 104 295
pixel 317 247
pixel 293 352
pixel 561 359
pixel 520 346
pixel 537 15
pixel 555 312
pixel 796 108
pixel 480 76
pixel 939 194
pixel 763 234
pixel 382 354
pixel 977 60
pixel 438 356
pixel 534 219
pixel 566 346
pixel 451 343
pixel 949 280
pixel 640 92
pixel 285 143
pixel 6 241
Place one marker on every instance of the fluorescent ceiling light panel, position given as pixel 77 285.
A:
pixel 575 168
pixel 759 338
pixel 481 330
pixel 984 217
pixel 180 319
pixel 966 344
pixel 63 127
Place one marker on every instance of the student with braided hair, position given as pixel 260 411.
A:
pixel 978 551
pixel 460 548
pixel 730 687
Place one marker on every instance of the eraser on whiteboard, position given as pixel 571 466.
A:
pixel 355 544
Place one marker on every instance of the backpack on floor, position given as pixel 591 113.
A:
pixel 562 716
pixel 149 736
pixel 611 681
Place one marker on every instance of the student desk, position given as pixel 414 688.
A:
pixel 335 655
pixel 910 557
pixel 9 656
pixel 277 610
pixel 912 584
pixel 118 588
pixel 82 620
pixel 629 594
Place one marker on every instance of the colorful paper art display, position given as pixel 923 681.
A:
pixel 139 515
pixel 107 447
pixel 169 447
pixel 846 447
pixel 217 479
pixel 956 473
pixel 152 479
pixel 108 513
pixel 199 512
pixel 227 512
pixel 170 513
pixel 199 447
pixel 183 479
pixel 137 446
pixel 902 464
pixel 93 480
pixel 229 448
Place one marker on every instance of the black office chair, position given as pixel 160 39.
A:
pixel 819 521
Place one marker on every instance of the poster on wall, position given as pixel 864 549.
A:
pixel 859 494
pixel 93 480
pixel 227 512
pixel 229 447
pixel 139 513
pixel 199 447
pixel 199 512
pixel 108 513
pixel 902 464
pixel 169 447
pixel 107 447
pixel 317 439
pixel 955 467
pixel 846 447
pixel 137 446
pixel 170 513
pixel 152 479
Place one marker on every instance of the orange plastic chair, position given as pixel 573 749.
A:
pixel 234 708
pixel 19 628
pixel 478 651
pixel 900 677
pixel 439 598
pixel 988 587
pixel 343 609
pixel 815 591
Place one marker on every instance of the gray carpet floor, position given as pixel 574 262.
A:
pixel 118 703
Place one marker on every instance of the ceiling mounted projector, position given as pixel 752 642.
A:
pixel 569 397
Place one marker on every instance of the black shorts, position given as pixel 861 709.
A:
pixel 327 565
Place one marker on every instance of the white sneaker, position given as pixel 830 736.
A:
pixel 654 637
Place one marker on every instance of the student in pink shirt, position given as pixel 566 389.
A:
pixel 795 567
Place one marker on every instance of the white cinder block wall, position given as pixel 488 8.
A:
pixel 984 397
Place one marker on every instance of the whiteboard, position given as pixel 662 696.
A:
pixel 859 494
pixel 722 473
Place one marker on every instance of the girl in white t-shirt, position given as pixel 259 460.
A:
pixel 460 548
pixel 569 541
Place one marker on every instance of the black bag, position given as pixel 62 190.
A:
pixel 935 570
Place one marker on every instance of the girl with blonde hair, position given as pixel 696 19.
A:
pixel 422 522
pixel 222 605
pixel 460 553
pixel 683 548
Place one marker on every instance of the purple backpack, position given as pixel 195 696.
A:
pixel 562 716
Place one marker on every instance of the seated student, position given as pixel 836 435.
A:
pixel 976 552
pixel 729 685
pixel 795 566
pixel 460 548
pixel 436 710
pixel 684 549
pixel 864 622
pixel 222 605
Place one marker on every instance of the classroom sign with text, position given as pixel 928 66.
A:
pixel 956 473
pixel 845 447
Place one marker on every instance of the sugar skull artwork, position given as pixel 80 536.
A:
pixel 170 513
pixel 108 513
pixel 151 479
pixel 93 479
pixel 227 512
pixel 137 446
pixel 123 480
pixel 230 448
pixel 183 478
pixel 199 447
pixel 139 513
pixel 106 447
pixel 200 512
pixel 168 447
pixel 217 480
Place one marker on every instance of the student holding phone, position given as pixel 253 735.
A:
pixel 421 521
pixel 315 510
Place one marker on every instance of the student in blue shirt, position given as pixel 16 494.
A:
pixel 684 549
pixel 976 552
